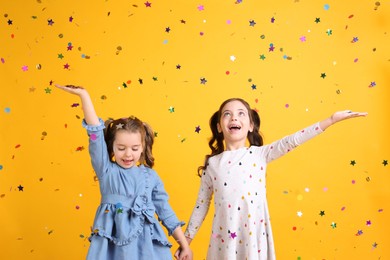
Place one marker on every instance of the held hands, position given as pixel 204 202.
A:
pixel 183 253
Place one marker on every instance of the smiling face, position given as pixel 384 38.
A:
pixel 235 124
pixel 127 148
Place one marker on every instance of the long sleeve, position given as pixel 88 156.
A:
pixel 164 210
pixel 288 143
pixel 97 148
pixel 201 207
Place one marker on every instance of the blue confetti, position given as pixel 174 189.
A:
pixel 326 7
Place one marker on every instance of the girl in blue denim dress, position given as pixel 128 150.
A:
pixel 131 191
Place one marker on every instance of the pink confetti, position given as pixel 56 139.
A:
pixel 93 137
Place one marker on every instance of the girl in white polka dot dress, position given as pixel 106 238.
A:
pixel 235 174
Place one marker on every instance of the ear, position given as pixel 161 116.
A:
pixel 219 128
pixel 251 128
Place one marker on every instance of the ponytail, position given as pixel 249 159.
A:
pixel 147 155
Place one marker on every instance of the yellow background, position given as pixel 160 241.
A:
pixel 118 43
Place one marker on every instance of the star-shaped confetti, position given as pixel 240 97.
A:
pixel 25 68
pixel 302 38
pixel 50 22
pixel 329 32
pixel 48 90
pixel 66 66
pixel 317 20
pixel 148 4
pixel 167 29
pixel 271 47
pixel 253 87
pixel 178 66
pixel 252 23
pixel 272 19
pixel 384 162
pixel 372 84
pixel 368 223
pixel 60 56
pixel 197 129
pixel 333 225
pixel 203 81
pixel 359 232
pixel 323 75
pixel 353 162
pixel 9 22
pixel 171 109
pixel 201 7
pixel 119 126
pixel 70 46
pixel 322 213
pixel 262 57
pixel 20 188
pixel 233 235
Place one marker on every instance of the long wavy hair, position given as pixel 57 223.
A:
pixel 216 142
pixel 133 125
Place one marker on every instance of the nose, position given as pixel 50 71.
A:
pixel 128 153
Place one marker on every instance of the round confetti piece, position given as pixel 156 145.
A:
pixel 93 137
pixel 326 7
pixel 7 110
pixel 1 167
pixel 38 66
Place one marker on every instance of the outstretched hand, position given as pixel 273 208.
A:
pixel 346 114
pixel 76 90
pixel 340 116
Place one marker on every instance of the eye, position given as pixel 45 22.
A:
pixel 121 149
pixel 227 114
pixel 241 113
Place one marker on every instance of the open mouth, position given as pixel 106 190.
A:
pixel 234 127
pixel 127 162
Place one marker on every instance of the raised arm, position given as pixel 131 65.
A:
pixel 340 116
pixel 89 111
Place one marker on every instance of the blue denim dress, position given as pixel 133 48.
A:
pixel 125 226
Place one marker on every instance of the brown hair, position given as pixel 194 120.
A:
pixel 133 125
pixel 216 142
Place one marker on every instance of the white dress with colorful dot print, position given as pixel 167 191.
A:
pixel 241 225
